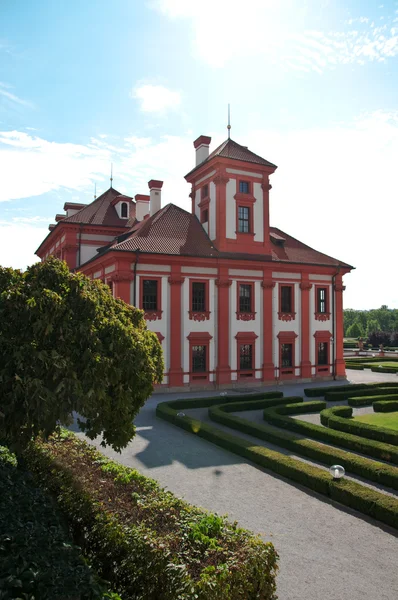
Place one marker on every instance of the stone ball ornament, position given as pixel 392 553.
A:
pixel 337 471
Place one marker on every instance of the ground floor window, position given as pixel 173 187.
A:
pixel 199 361
pixel 246 357
pixel 286 355
pixel 322 353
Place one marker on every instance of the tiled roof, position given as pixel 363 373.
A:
pixel 295 251
pixel 233 150
pixel 175 231
pixel 171 230
pixel 102 212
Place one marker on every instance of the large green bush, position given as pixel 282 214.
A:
pixel 38 559
pixel 67 345
pixel 146 542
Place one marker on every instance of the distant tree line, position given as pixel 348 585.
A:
pixel 379 325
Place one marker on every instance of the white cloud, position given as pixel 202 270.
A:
pixel 335 189
pixel 280 33
pixel 4 87
pixel 18 244
pixel 156 98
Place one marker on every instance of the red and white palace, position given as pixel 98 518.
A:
pixel 231 299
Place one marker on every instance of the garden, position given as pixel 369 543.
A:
pixel 368 453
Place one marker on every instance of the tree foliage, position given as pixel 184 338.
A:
pixel 355 330
pixel 66 345
pixel 383 319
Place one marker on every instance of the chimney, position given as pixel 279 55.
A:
pixel 141 206
pixel 155 195
pixel 202 148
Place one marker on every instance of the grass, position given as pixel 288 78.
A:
pixel 388 420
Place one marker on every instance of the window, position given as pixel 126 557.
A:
pixel 322 353
pixel 244 187
pixel 199 353
pixel 286 355
pixel 286 299
pixel 321 303
pixel 150 294
pixel 124 210
pixel 204 216
pixel 205 191
pixel 245 297
pixel 199 359
pixel 246 357
pixel 198 296
pixel 243 219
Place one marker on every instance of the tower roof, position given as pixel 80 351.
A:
pixel 233 150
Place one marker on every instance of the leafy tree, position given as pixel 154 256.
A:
pixel 355 330
pixel 372 326
pixel 66 345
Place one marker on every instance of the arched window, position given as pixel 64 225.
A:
pixel 124 210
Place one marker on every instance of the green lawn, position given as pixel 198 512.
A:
pixel 389 420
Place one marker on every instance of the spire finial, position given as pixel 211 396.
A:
pixel 95 191
pixel 229 122
pixel 111 173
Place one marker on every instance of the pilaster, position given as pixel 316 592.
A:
pixel 268 366
pixel 305 287
pixel 176 377
pixel 223 370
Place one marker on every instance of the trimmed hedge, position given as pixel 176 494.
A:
pixel 353 366
pixel 371 448
pixel 385 406
pixel 364 467
pixel 384 369
pixel 338 396
pixel 321 391
pixel 369 400
pixel 337 420
pixel 37 555
pixel 146 541
pixel 350 493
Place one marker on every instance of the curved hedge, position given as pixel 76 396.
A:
pixel 350 493
pixel 144 540
pixel 372 392
pixel 364 467
pixel 321 391
pixel 384 369
pixel 331 417
pixel 385 406
pixel 371 448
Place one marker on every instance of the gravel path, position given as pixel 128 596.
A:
pixel 327 552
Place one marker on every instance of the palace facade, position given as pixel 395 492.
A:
pixel 231 299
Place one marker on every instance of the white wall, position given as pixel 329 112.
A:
pixel 231 210
pixel 258 215
pixel 278 326
pixel 87 252
pixel 319 325
pixel 190 326
pixel 212 211
pixel 245 326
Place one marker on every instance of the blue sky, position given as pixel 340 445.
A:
pixel 312 86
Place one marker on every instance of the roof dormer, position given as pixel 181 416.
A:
pixel 122 206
